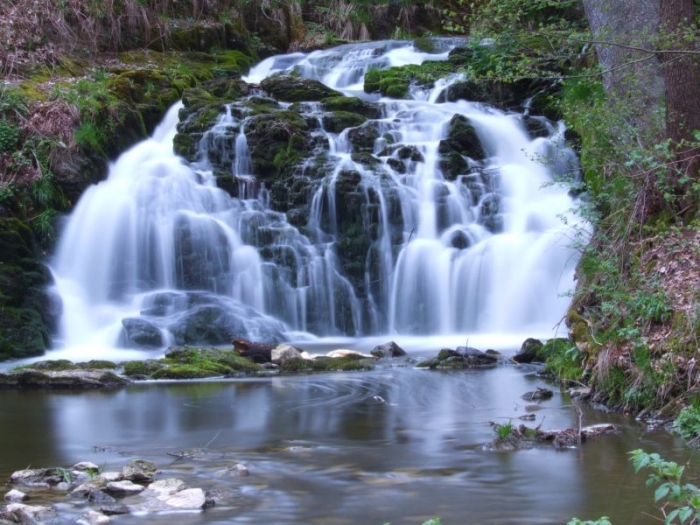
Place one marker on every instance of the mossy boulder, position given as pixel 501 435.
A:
pixel 278 142
pixel 352 105
pixel 395 82
pixel 461 358
pixel 27 311
pixel 192 363
pixel 296 89
pixel 298 365
pixel 529 351
pixel 338 121
pixel 31 378
pixel 364 137
pixel 463 138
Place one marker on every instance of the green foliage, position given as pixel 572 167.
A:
pixel 680 501
pixel 64 474
pixel 9 136
pixel 505 430
pixel 564 360
pixel 687 424
pixel 602 521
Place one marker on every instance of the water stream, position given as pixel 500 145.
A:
pixel 157 254
pixel 393 445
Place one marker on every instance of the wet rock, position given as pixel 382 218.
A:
pixel 537 126
pixel 32 477
pixel 390 349
pixel 87 466
pixel 120 489
pixel 93 518
pixel 529 351
pixel 139 333
pixel 65 379
pixel 16 496
pixel 352 104
pixel 139 471
pixel 164 488
pixel 541 394
pixel 338 121
pixel 258 352
pixel 283 352
pixel 235 471
pixel 188 499
pixel 114 510
pixel 26 514
pixel 296 89
pixel 462 358
pixel 363 138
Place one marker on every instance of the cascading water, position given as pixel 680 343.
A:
pixel 157 254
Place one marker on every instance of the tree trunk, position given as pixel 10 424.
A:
pixel 630 75
pixel 682 85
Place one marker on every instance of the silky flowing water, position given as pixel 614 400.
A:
pixel 483 258
pixel 395 444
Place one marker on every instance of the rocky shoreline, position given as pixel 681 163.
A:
pixel 245 359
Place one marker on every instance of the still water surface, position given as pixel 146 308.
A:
pixel 395 444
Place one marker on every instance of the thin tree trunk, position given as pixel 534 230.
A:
pixel 682 87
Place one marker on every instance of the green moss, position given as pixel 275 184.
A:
pixel 54 365
pixel 324 364
pixel 142 369
pixel 98 364
pixel 353 105
pixel 184 372
pixel 339 120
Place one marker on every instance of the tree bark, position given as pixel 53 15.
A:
pixel 630 76
pixel 682 86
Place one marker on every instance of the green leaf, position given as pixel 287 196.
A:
pixel 671 516
pixel 685 513
pixel 662 491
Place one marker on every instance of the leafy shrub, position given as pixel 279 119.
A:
pixel 687 424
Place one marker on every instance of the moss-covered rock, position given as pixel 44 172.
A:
pixel 460 359
pixel 192 363
pixel 27 313
pixel 296 89
pixel 298 365
pixel 338 121
pixel 529 351
pixel 278 142
pixel 352 105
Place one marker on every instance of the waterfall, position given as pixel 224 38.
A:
pixel 156 254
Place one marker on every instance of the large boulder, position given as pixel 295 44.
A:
pixel 529 351
pixel 61 379
pixel 139 333
pixel 296 89
pixel 390 349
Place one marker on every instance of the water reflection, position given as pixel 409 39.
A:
pixel 396 445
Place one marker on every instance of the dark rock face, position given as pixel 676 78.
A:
pixel 462 357
pixel 390 349
pixel 64 380
pixel 27 311
pixel 529 352
pixel 295 89
pixel 141 334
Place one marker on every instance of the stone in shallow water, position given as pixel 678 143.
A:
pixel 139 470
pixel 123 488
pixel 20 513
pixel 188 499
pixel 16 496
pixel 164 488
pixel 93 518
